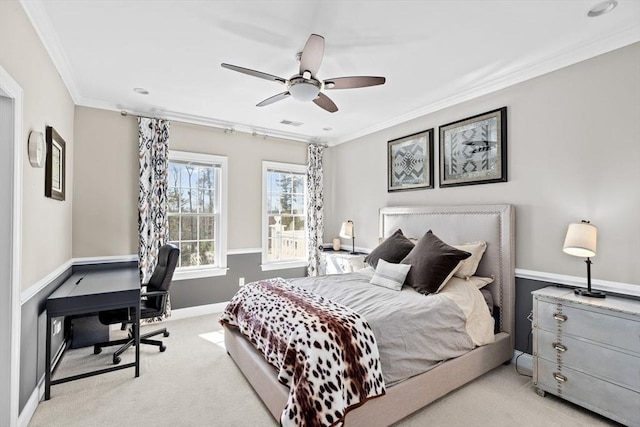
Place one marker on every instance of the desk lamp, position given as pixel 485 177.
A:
pixel 347 231
pixel 581 242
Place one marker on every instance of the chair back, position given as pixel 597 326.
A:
pixel 162 275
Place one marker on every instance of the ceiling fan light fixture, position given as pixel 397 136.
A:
pixel 304 90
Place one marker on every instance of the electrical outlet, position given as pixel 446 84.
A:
pixel 56 327
pixel 241 282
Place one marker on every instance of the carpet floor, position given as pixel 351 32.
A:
pixel 195 383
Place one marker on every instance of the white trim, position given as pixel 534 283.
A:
pixel 32 404
pixel 11 89
pixel 221 162
pixel 560 279
pixel 37 14
pixel 199 310
pixel 197 273
pixel 33 290
pixel 525 361
pixel 243 251
pixel 272 266
pixel 105 259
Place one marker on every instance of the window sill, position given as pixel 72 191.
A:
pixel 199 273
pixel 283 265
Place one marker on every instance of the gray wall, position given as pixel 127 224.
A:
pixel 573 154
pixel 211 290
pixel 33 338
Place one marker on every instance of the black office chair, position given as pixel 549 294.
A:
pixel 153 304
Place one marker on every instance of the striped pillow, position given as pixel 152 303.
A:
pixel 390 275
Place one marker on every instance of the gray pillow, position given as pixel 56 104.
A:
pixel 392 250
pixel 432 262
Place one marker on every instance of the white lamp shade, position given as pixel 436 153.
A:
pixel 346 231
pixel 581 240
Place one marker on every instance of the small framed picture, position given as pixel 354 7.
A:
pixel 54 169
pixel 410 162
pixel 474 150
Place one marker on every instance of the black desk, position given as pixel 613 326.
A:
pixel 89 292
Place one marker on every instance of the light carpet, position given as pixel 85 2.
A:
pixel 195 383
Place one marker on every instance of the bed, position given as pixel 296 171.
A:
pixel 490 223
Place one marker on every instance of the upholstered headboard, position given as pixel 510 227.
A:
pixel 461 224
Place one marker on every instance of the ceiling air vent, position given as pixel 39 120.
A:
pixel 290 123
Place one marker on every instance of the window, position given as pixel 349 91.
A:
pixel 197 213
pixel 284 216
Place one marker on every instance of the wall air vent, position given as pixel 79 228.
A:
pixel 290 123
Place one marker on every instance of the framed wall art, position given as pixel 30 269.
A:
pixel 474 150
pixel 55 164
pixel 410 162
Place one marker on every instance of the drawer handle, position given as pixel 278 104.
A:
pixel 560 317
pixel 559 377
pixel 559 347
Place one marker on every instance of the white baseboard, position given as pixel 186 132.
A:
pixel 525 362
pixel 200 310
pixel 32 404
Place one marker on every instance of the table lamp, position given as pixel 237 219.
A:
pixel 347 231
pixel 581 242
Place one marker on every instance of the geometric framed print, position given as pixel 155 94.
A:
pixel 474 150
pixel 410 162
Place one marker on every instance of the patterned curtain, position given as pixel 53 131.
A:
pixel 315 208
pixel 153 226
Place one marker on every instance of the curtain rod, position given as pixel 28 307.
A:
pixel 254 133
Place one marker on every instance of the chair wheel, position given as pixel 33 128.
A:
pixel 163 348
pixel 97 350
pixel 166 333
pixel 116 359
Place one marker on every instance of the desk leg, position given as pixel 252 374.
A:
pixel 136 332
pixel 47 362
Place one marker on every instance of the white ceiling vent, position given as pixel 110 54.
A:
pixel 290 123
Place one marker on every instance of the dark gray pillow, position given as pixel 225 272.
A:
pixel 432 261
pixel 393 249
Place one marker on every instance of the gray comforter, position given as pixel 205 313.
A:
pixel 414 332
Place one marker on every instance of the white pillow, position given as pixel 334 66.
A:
pixel 390 275
pixel 469 266
pixel 480 282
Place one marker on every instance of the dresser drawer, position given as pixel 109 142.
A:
pixel 590 324
pixel 615 402
pixel 610 365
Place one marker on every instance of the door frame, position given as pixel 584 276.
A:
pixel 10 296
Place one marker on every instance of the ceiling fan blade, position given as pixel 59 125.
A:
pixel 254 73
pixel 323 101
pixel 312 54
pixel 274 98
pixel 353 82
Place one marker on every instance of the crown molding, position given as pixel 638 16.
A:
pixel 520 73
pixel 37 14
pixel 198 120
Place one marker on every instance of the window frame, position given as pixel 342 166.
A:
pixel 195 272
pixel 290 263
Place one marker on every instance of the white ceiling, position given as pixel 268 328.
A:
pixel 433 54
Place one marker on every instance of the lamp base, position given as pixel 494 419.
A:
pixel 587 293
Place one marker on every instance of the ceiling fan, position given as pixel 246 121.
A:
pixel 305 86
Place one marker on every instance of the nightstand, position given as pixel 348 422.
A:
pixel 339 262
pixel 587 351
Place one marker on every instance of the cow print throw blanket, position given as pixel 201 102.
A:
pixel 323 351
